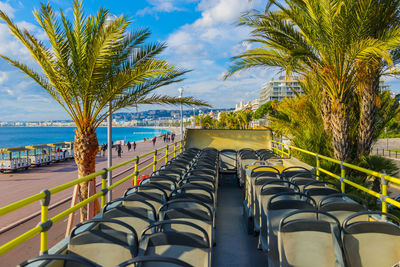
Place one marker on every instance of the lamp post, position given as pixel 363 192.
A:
pixel 200 112
pixel 194 117
pixel 180 96
pixel 110 18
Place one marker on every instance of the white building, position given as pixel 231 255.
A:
pixel 279 89
pixel 383 86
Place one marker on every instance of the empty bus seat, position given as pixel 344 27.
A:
pixel 371 243
pixel 191 246
pixel 228 161
pixel 102 244
pixel 137 213
pixel 154 261
pixel 312 240
pixel 59 260
pixel 278 207
pixel 342 205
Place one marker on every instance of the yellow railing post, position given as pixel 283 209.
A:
pixel 317 165
pixel 342 177
pixel 135 179
pixel 155 160
pixel 174 150
pixel 166 155
pixel 44 222
pixel 384 194
pixel 104 187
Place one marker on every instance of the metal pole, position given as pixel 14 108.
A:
pixel 181 119
pixel 387 139
pixel 109 151
pixel 194 117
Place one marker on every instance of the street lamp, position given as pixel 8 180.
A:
pixel 200 112
pixel 110 18
pixel 194 117
pixel 180 96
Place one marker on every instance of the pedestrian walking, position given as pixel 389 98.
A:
pixel 103 148
pixel 129 146
pixel 172 137
pixel 119 151
pixel 134 145
pixel 154 140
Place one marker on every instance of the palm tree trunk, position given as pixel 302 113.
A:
pixel 326 104
pixel 369 89
pixel 340 130
pixel 85 150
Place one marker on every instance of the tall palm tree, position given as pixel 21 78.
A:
pixel 315 37
pixel 91 64
pixel 378 19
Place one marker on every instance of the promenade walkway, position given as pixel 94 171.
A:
pixel 19 185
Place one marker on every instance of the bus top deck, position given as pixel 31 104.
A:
pixel 183 214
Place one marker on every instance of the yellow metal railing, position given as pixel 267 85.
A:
pixel 45 196
pixel 279 148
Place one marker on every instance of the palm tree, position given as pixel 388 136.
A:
pixel 91 64
pixel 378 19
pixel 313 37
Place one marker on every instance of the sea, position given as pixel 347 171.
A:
pixel 24 136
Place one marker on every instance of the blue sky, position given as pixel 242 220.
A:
pixel 201 35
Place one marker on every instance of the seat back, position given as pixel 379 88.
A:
pixel 371 242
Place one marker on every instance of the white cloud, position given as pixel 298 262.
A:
pixel 206 46
pixel 6 8
pixel 158 6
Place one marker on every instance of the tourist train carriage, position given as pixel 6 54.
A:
pixel 14 158
pixel 57 153
pixel 39 154
pixel 69 147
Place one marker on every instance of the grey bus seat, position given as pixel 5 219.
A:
pixel 154 261
pixel 278 207
pixel 343 205
pixel 195 191
pixel 319 189
pixel 59 260
pixel 98 242
pixel 268 190
pixel 192 247
pixel 164 181
pixel 371 243
pixel 228 161
pixel 301 179
pixel 151 193
pixel 310 241
pixel 265 192
pixel 139 217
pixel 294 170
pixel 190 210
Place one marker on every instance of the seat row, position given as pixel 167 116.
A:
pixel 303 221
pixel 247 157
pixel 169 218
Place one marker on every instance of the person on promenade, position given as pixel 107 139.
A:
pixel 172 137
pixel 164 138
pixel 129 146
pixel 154 140
pixel 134 146
pixel 119 151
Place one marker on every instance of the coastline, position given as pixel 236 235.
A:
pixel 21 136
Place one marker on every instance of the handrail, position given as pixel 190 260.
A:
pixel 44 197
pixel 385 179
